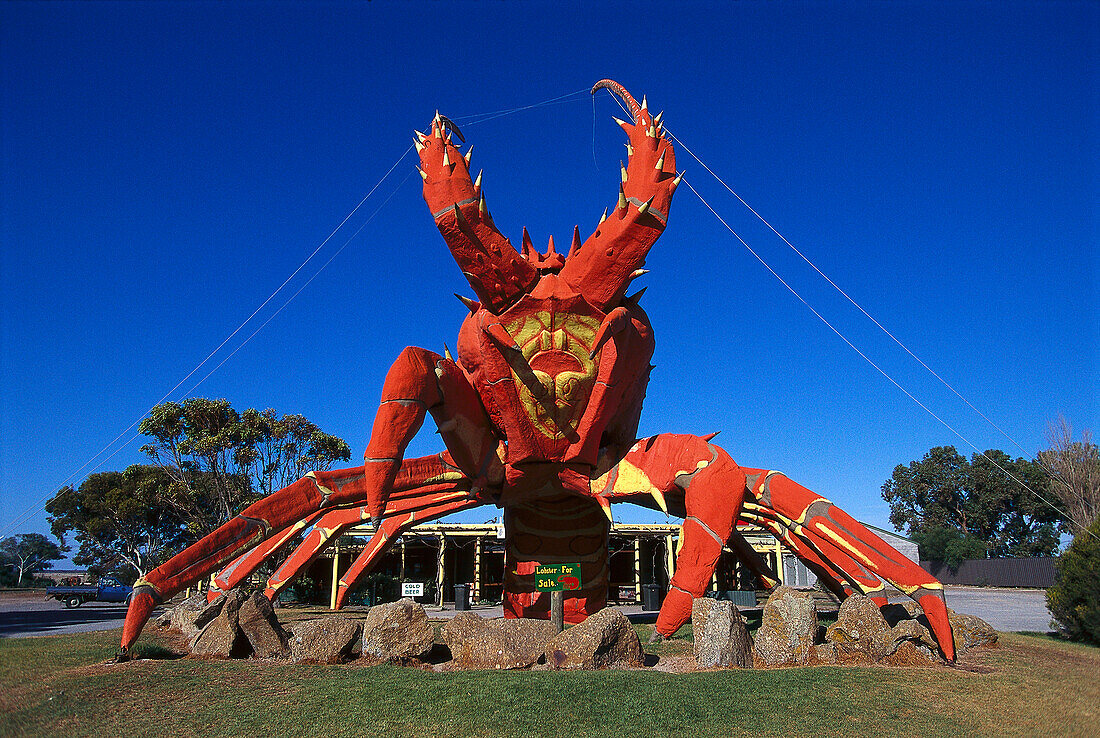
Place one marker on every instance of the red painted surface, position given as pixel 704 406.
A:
pixel 539 414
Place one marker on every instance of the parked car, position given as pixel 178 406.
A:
pixel 109 589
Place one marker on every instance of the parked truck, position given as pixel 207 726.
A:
pixel 109 589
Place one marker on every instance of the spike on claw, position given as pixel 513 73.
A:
pixel 575 246
pixel 659 498
pixel 605 505
pixel 471 305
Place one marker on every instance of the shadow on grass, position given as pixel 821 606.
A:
pixel 155 652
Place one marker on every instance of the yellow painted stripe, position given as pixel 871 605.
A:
pixel 844 544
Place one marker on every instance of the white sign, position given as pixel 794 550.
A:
pixel 412 589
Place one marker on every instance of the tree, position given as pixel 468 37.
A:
pixel 1074 599
pixel 955 508
pixel 220 461
pixel 123 520
pixel 28 553
pixel 949 545
pixel 1075 466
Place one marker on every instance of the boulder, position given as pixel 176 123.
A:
pixel 721 638
pixel 261 628
pixel 860 633
pixel 606 639
pixel 397 630
pixel 507 643
pixel 823 653
pixel 912 653
pixel 328 640
pixel 787 628
pixel 213 609
pixel 970 631
pixel 182 616
pixel 221 637
pixel 460 627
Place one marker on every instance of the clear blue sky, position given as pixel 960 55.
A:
pixel 167 166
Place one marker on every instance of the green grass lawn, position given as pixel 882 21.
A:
pixel 62 685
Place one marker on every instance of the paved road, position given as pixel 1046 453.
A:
pixel 22 616
pixel 1004 609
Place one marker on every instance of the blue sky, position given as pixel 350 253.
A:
pixel 167 166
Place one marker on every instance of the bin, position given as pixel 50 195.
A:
pixel 651 597
pixel 462 597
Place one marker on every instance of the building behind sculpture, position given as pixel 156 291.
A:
pixel 440 556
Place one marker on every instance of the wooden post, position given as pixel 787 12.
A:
pixel 335 577
pixel 557 610
pixel 670 552
pixel 637 570
pixel 402 559
pixel 779 560
pixel 439 571
pixel 477 570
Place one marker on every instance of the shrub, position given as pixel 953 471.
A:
pixel 1074 599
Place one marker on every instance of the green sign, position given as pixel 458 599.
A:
pixel 557 577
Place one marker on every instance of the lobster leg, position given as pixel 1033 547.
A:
pixel 244 565
pixel 392 527
pixel 819 527
pixel 419 382
pixel 693 479
pixel 328 529
pixel 263 519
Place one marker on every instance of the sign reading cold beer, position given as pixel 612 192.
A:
pixel 557 577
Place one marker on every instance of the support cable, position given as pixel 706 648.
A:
pixel 474 119
pixel 880 370
pixel 870 317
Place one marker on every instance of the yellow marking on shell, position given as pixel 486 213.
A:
pixel 324 490
pixel 632 479
pixel 680 541
pixel 802 517
pixel 844 544
pixel 146 583
pixel 867 589
pixel 702 464
pixel 568 390
pixel 760 487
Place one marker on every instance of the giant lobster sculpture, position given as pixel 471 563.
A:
pixel 539 412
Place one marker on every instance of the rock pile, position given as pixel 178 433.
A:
pixel 242 625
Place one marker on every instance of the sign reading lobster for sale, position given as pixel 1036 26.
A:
pixel 557 577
